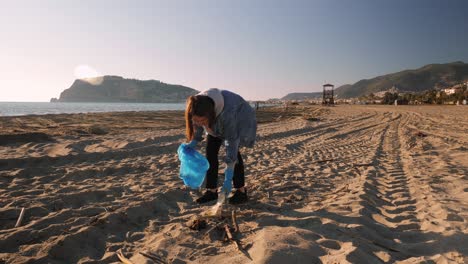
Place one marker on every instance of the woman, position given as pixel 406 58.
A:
pixel 225 117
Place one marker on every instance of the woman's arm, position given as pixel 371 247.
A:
pixel 198 135
pixel 231 137
pixel 232 148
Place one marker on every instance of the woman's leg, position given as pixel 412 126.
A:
pixel 238 178
pixel 212 149
pixel 240 195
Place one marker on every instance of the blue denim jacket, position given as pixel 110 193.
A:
pixel 236 125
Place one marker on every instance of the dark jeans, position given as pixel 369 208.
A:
pixel 212 149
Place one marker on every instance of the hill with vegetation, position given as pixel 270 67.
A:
pixel 119 89
pixel 429 77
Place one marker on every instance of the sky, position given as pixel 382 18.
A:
pixel 258 49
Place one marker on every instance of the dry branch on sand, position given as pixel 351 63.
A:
pixel 20 218
pixel 123 258
pixel 155 258
pixel 220 224
pixel 234 221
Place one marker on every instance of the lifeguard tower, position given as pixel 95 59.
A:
pixel 328 97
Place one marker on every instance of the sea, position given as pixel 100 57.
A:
pixel 43 108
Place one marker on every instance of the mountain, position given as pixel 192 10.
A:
pixel 118 89
pixel 302 96
pixel 432 76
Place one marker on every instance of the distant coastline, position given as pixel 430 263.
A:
pixel 45 108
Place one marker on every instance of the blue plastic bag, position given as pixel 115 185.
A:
pixel 193 166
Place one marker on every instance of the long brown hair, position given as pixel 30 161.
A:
pixel 198 105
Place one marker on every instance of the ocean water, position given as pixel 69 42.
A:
pixel 42 108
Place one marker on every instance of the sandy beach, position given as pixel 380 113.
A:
pixel 344 184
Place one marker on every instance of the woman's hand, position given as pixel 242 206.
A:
pixel 192 144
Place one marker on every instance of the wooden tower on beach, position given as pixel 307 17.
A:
pixel 328 97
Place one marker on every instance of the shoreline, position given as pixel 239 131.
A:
pixel 275 106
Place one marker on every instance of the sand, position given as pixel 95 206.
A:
pixel 345 184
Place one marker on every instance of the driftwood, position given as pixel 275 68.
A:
pixel 362 164
pixel 20 218
pixel 211 229
pixel 231 238
pixel 324 160
pixel 221 224
pixel 420 134
pixel 154 257
pixel 228 232
pixel 123 258
pixel 198 224
pixel 234 221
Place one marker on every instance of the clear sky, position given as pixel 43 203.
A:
pixel 259 49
